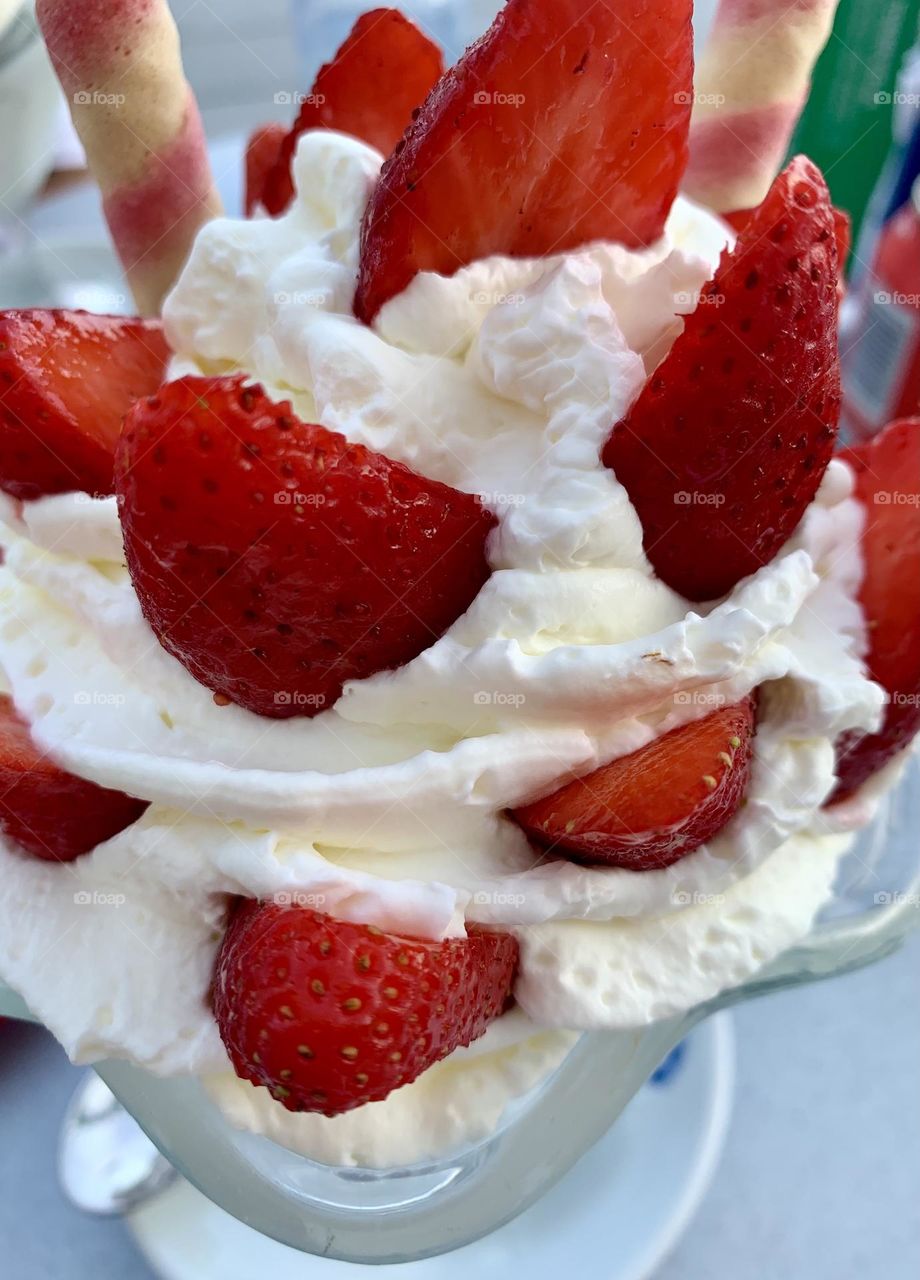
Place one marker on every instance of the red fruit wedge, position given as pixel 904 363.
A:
pixel 262 152
pixel 274 559
pixel 727 444
pixel 566 123
pixel 50 813
pixel 67 379
pixel 329 1015
pixel 651 808
pixel 381 74
pixel 888 484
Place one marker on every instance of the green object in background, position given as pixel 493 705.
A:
pixel 846 125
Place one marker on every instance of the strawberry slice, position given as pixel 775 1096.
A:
pixel 262 152
pixel 566 123
pixel 50 813
pixel 330 1015
pixel 382 73
pixel 67 379
pixel 888 483
pixel 274 559
pixel 843 234
pixel 727 444
pixel 651 808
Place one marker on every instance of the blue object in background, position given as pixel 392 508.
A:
pixel 910 171
pixel 672 1064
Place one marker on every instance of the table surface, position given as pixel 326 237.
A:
pixel 820 1179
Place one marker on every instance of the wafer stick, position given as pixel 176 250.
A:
pixel 751 85
pixel 119 64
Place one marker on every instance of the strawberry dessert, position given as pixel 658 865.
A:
pixel 456 626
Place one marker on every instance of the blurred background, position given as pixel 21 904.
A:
pixel 819 1175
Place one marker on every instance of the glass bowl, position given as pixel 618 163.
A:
pixel 406 1214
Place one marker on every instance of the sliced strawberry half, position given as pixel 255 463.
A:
pixel 330 1015
pixel 649 809
pixel 382 73
pixel 50 813
pixel 888 484
pixel 67 379
pixel 274 559
pixel 262 152
pixel 566 123
pixel 727 444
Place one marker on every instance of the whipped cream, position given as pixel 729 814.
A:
pixel 503 380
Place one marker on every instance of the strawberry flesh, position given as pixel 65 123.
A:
pixel 66 381
pixel 380 75
pixel 565 123
pixel 274 559
pixel 650 809
pixel 729 439
pixel 48 812
pixel 330 1015
pixel 262 153
pixel 888 484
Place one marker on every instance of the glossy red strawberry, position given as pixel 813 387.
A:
pixel 274 559
pixel 330 1015
pixel 888 483
pixel 382 73
pixel 262 152
pixel 50 813
pixel 653 807
pixel 727 444
pixel 567 122
pixel 67 379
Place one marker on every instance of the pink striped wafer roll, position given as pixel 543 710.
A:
pixel 751 84
pixel 119 64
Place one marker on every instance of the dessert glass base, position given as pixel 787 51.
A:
pixel 418 1211
pixel 640 1185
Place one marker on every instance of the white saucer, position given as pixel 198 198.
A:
pixel 618 1213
